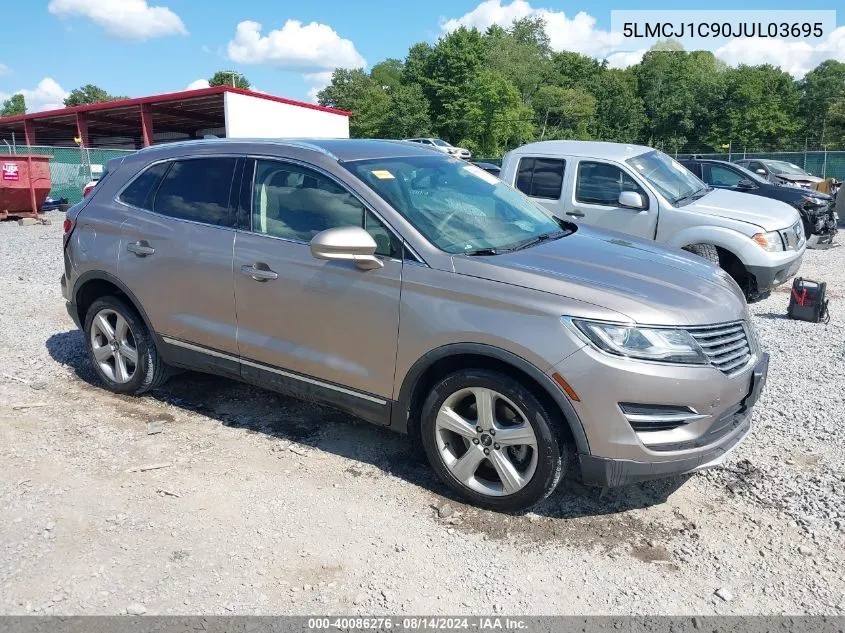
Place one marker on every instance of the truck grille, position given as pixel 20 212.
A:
pixel 793 237
pixel 726 345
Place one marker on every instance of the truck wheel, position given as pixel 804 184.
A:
pixel 707 251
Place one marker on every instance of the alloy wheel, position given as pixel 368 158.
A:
pixel 113 346
pixel 486 441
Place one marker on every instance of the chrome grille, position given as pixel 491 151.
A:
pixel 793 237
pixel 726 345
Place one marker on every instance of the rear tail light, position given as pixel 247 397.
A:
pixel 87 190
pixel 67 226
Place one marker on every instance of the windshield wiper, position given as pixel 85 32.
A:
pixel 533 241
pixel 698 193
pixel 482 251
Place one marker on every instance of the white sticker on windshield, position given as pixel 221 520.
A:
pixel 480 173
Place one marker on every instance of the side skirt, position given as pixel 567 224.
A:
pixel 197 358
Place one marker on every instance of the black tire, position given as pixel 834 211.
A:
pixel 150 372
pixel 551 455
pixel 707 251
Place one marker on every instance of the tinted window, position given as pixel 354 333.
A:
pixel 297 203
pixel 540 177
pixel 140 192
pixel 721 176
pixel 754 166
pixel 197 190
pixel 601 183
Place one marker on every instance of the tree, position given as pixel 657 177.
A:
pixel 356 92
pixel 820 89
pixel 520 54
pixel 13 105
pixel 89 94
pixel 566 112
pixel 494 119
pixel 388 74
pixel 407 113
pixel 619 115
pixel 229 78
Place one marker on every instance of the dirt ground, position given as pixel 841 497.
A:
pixel 209 496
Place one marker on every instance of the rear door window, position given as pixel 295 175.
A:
pixel 198 190
pixel 140 191
pixel 541 177
pixel 721 176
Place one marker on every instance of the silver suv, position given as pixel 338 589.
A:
pixel 418 292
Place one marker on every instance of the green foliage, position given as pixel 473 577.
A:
pixel 228 78
pixel 13 105
pixel 495 90
pixel 89 94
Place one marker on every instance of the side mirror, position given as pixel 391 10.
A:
pixel 745 184
pixel 631 200
pixel 346 244
pixel 762 172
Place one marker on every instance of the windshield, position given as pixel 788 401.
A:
pixel 674 181
pixel 782 167
pixel 440 142
pixel 457 206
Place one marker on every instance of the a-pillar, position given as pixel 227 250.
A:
pixel 146 124
pixel 82 128
pixel 29 131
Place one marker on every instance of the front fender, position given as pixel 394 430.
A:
pixel 745 249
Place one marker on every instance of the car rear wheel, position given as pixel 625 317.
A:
pixel 121 349
pixel 491 441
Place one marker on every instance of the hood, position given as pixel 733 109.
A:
pixel 768 214
pixel 798 178
pixel 646 283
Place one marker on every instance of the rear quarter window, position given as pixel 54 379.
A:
pixel 140 191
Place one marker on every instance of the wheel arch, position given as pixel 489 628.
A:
pixel 447 359
pixel 95 284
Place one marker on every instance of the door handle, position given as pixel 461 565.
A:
pixel 141 249
pixel 575 214
pixel 259 272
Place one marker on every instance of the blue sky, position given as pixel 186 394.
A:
pixel 141 47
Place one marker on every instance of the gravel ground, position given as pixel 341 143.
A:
pixel 260 504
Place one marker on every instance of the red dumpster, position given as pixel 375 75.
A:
pixel 24 184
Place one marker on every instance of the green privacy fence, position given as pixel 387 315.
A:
pixel 71 167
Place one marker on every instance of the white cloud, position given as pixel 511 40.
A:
pixel 307 48
pixel 796 58
pixel 571 34
pixel 318 81
pixel 625 59
pixel 5 70
pixel 197 84
pixel 47 95
pixel 131 19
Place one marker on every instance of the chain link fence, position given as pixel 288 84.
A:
pixel 71 168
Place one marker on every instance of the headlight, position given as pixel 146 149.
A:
pixel 815 201
pixel 657 344
pixel 769 241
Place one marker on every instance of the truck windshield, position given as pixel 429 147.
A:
pixel 782 167
pixel 456 206
pixel 674 182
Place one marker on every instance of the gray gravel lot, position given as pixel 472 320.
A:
pixel 263 504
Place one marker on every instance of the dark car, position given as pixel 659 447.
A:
pixel 490 168
pixel 816 208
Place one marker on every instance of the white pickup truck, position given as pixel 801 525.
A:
pixel 643 192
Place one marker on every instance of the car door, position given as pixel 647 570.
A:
pixel 306 323
pixel 758 168
pixel 176 249
pixel 594 199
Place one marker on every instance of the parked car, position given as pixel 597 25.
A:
pixel 780 172
pixel 816 209
pixel 642 192
pixel 490 168
pixel 419 293
pixel 442 146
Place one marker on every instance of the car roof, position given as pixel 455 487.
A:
pixel 339 149
pixel 588 149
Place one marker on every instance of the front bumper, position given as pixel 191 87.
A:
pixel 770 276
pixel 619 455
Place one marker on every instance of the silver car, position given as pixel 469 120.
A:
pixel 420 293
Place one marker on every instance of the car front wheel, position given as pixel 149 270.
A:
pixel 491 441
